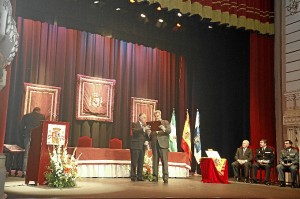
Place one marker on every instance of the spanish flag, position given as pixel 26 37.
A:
pixel 186 137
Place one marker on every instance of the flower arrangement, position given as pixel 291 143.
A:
pixel 62 170
pixel 147 169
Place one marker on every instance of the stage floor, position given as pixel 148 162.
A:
pixel 191 187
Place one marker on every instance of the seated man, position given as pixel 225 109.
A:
pixel 289 161
pixel 264 160
pixel 243 157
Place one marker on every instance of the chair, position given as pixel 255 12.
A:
pixel 85 141
pixel 115 143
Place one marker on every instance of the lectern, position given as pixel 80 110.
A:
pixel 43 138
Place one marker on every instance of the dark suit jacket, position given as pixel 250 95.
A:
pixel 247 155
pixel 29 122
pixel 268 154
pixel 138 137
pixel 162 137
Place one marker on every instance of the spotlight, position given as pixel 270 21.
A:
pixel 118 9
pixel 132 1
pixel 143 18
pixel 96 2
pixel 177 27
pixel 179 14
pixel 160 23
pixel 158 8
pixel 210 27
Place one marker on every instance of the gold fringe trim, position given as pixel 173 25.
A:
pixel 219 16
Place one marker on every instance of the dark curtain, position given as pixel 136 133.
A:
pixel 219 83
pixel 52 55
pixel 262 102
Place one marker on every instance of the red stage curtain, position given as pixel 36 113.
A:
pixel 262 102
pixel 52 55
pixel 255 15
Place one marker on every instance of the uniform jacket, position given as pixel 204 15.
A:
pixel 267 154
pixel 290 155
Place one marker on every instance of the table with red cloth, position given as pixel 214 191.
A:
pixel 210 173
pixel 105 162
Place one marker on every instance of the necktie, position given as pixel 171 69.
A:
pixel 244 151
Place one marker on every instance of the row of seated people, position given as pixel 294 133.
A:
pixel 86 141
pixel 264 159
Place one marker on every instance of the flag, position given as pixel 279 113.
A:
pixel 172 136
pixel 197 140
pixel 186 137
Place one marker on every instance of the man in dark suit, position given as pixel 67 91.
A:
pixel 243 157
pixel 289 161
pixel 160 145
pixel 139 140
pixel 264 160
pixel 29 122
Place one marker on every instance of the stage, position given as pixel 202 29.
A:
pixel 190 187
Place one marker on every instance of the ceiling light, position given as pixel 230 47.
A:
pixel 96 2
pixel 117 9
pixel 160 20
pixel 132 1
pixel 143 15
pixel 210 27
pixel 179 14
pixel 178 25
pixel 158 8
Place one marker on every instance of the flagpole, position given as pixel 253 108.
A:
pixel 197 163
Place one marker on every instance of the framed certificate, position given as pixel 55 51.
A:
pixel 154 125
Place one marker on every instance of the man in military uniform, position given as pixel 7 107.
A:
pixel 289 161
pixel 264 160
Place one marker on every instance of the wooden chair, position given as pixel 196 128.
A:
pixel 115 143
pixel 85 141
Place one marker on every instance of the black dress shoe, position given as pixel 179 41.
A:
pixel 246 180
pixel 254 181
pixel 293 185
pixel 154 180
pixel 133 179
pixel 267 183
pixel 140 179
pixel 282 184
pixel 166 181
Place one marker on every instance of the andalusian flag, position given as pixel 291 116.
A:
pixel 173 136
pixel 186 137
pixel 197 141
